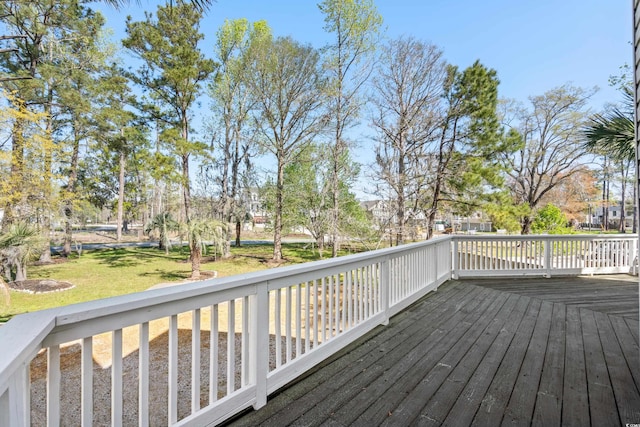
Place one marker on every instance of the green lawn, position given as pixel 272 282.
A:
pixel 105 273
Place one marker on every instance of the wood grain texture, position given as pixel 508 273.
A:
pixel 483 352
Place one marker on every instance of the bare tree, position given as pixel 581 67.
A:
pixel 551 147
pixel 355 24
pixel 232 102
pixel 407 91
pixel 287 83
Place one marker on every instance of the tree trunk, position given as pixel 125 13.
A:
pixel 6 294
pixel 21 271
pixel 45 256
pixel 70 193
pixel 119 221
pixel 238 231
pixel 196 258
pixel 17 169
pixel 277 228
pixel 526 225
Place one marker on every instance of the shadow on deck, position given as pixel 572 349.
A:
pixel 548 352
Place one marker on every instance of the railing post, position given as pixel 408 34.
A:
pixel 385 285
pixel 547 255
pixel 454 259
pixel 14 401
pixel 260 343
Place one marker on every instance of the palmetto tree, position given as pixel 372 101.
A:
pixel 612 132
pixel 199 233
pixel 163 224
pixel 18 245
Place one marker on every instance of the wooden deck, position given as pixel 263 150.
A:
pixel 483 352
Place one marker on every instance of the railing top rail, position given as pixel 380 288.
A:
pixel 123 303
pixel 532 237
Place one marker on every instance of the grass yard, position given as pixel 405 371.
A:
pixel 110 272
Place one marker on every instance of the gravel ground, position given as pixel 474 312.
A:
pixel 158 375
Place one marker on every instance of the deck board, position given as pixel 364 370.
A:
pixel 483 352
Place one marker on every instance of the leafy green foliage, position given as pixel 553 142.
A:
pixel 163 225
pixel 550 220
pixel 20 244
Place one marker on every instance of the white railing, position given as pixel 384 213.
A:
pixel 197 354
pixel 543 255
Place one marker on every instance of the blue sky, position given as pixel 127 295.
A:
pixel 534 45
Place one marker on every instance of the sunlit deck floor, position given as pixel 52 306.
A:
pixel 484 352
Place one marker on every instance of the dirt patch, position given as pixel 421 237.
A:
pixel 40 286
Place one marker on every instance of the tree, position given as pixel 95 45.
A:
pixel 19 244
pixel 355 25
pixel 198 232
pixel 287 83
pixel 232 101
pixel 30 24
pixel 611 134
pixel 551 148
pixel 172 73
pixel 80 61
pixel 163 224
pixel 464 153
pixel 551 220
pixel 574 195
pixel 407 91
pixel 118 131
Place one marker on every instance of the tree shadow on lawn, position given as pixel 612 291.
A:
pixel 126 257
pixel 167 275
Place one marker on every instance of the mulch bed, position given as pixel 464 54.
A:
pixel 40 286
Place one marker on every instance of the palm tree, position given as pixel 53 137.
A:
pixel 613 131
pixel 198 232
pixel 163 223
pixel 18 245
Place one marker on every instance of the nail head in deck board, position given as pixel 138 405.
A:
pixel 624 391
pixel 438 407
pixel 575 401
pixel 411 406
pixel 548 409
pixel 602 404
pixel 575 391
pixel 495 401
pixel 465 407
pixel 387 402
pixel 628 345
pixel 339 372
pixel 398 390
pixel 447 335
pixel 523 397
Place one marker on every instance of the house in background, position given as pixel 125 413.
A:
pixel 614 214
